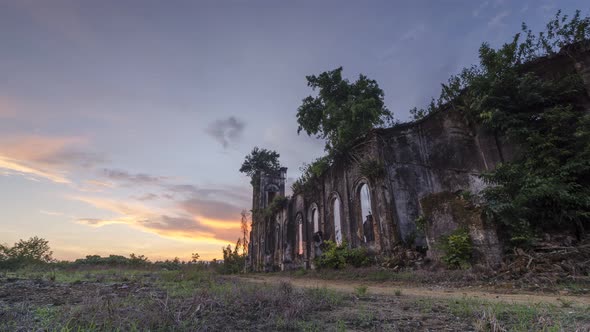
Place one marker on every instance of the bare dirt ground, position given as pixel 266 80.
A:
pixel 428 291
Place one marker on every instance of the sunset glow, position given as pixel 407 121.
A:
pixel 123 123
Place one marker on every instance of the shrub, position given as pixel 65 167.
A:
pixel 357 257
pixel 233 261
pixel 339 256
pixel 332 256
pixel 457 248
pixel 372 169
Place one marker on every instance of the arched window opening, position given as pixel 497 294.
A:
pixel 299 235
pixel 366 213
pixel 277 236
pixel 337 221
pixel 315 217
pixel 271 191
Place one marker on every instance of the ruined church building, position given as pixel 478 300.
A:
pixel 426 165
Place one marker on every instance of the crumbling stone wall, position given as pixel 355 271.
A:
pixel 424 162
pixel 446 212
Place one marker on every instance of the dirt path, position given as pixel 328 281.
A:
pixel 425 291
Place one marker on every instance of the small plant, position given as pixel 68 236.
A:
pixel 398 292
pixel 420 224
pixel 361 290
pixel 565 303
pixel 411 238
pixel 457 248
pixel 372 169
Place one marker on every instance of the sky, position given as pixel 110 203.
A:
pixel 123 123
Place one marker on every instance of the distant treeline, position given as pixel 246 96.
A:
pixel 36 253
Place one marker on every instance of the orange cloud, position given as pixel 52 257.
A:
pixel 158 222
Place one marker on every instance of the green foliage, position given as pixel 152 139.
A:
pixel 33 251
pixel 548 184
pixel 339 256
pixel 457 248
pixel 113 261
pixel 421 224
pixel 260 161
pixel 342 111
pixel 233 261
pixel 372 169
pixel 361 290
pixel 278 203
pixel 310 175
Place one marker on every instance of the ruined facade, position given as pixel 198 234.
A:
pixel 424 166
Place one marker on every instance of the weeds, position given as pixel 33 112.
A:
pixel 565 303
pixel 361 290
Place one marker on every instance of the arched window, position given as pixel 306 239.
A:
pixel 299 223
pixel 315 218
pixel 337 221
pixel 366 213
pixel 278 236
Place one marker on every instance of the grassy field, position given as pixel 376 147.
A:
pixel 197 299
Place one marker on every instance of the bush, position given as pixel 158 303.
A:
pixel 458 248
pixel 357 257
pixel 233 261
pixel 34 251
pixel 339 256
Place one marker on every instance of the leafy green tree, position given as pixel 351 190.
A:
pixel 260 161
pixel 195 257
pixel 342 111
pixel 233 261
pixel 25 252
pixel 34 249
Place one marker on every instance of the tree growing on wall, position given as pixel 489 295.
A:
pixel 548 184
pixel 341 111
pixel 260 161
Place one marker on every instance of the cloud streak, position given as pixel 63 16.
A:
pixel 154 221
pixel 128 178
pixel 50 158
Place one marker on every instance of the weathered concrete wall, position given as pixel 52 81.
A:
pixel 440 153
pixel 446 212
